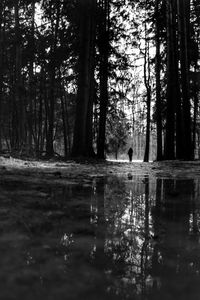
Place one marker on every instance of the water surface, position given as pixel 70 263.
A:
pixel 108 238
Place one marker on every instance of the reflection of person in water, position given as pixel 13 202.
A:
pixel 130 154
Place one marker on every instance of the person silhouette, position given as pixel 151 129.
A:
pixel 130 154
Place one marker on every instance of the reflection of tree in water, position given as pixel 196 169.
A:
pixel 175 260
pixel 122 234
pixel 131 239
pixel 149 244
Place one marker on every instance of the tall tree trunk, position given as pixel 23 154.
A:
pixel 81 141
pixel 31 79
pixel 104 54
pixel 148 120
pixel 50 122
pixel 68 125
pixel 170 117
pixel 183 19
pixel 89 123
pixel 1 68
pixel 64 127
pixel 194 123
pixel 158 85
pixel 39 115
pixel 52 78
pixel 178 120
pixel 176 87
pixel 196 101
pixel 148 100
pixel 63 109
pixel 19 98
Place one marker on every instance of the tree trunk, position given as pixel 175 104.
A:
pixel 176 87
pixel 184 17
pixel 31 80
pixel 104 54
pixel 147 145
pixel 84 106
pixel 63 109
pixel 20 108
pixel 52 76
pixel 1 69
pixel 68 126
pixel 89 123
pixel 148 90
pixel 158 85
pixel 39 129
pixel 196 101
pixel 170 117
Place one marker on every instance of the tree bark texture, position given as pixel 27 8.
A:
pixel 19 131
pixel 147 76
pixel 104 54
pixel 183 20
pixel 1 68
pixel 158 85
pixel 170 117
pixel 31 79
pixel 84 107
pixel 52 79
pixel 178 120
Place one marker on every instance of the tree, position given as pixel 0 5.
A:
pixel 87 31
pixel 117 133
pixel 171 73
pixel 158 81
pixel 147 76
pixel 103 43
pixel 85 53
pixel 178 119
pixel 184 38
pixel 2 4
pixel 52 78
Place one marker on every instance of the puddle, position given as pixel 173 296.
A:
pixel 108 239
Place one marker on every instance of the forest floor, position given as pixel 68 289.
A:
pixel 78 229
pixel 62 172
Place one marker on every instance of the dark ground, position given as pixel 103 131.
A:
pixel 99 230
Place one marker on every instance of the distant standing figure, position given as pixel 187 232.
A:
pixel 130 154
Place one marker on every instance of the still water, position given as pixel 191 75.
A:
pixel 108 238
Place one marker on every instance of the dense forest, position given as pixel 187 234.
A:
pixel 90 78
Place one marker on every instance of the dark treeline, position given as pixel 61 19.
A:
pixel 60 63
